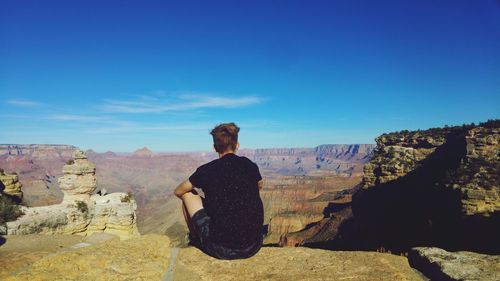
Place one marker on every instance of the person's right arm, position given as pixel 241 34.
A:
pixel 183 188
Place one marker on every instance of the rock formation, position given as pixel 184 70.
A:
pixel 80 212
pixel 151 257
pixel 438 187
pixel 477 176
pixel 10 185
pixel 79 180
pixel 438 264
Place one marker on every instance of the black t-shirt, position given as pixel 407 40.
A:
pixel 232 200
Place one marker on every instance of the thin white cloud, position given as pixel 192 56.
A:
pixel 23 103
pixel 72 117
pixel 135 128
pixel 182 103
pixel 213 101
pixel 90 119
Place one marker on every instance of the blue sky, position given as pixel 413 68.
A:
pixel 119 75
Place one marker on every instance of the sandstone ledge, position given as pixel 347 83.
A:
pixel 438 264
pixel 147 258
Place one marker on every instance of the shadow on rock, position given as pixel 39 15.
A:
pixel 416 210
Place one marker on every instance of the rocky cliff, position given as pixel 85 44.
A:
pixel 80 212
pixel 473 170
pixel 328 159
pixel 434 187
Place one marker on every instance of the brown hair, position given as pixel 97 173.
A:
pixel 225 137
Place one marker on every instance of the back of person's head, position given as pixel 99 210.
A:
pixel 225 137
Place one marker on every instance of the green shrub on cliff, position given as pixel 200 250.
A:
pixel 82 207
pixel 9 211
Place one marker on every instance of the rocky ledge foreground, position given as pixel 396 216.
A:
pixel 151 257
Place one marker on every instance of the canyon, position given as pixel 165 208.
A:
pixel 299 182
pixel 429 197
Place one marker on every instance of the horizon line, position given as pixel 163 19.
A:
pixel 179 151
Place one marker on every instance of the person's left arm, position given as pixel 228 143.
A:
pixel 183 188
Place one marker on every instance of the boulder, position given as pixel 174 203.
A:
pixel 438 264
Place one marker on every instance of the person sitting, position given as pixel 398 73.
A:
pixel 227 222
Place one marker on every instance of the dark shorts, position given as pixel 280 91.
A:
pixel 201 223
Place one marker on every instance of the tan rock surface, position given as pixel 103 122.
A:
pixel 20 251
pixel 11 183
pixel 147 258
pixel 438 264
pixel 295 264
pixel 481 194
pixel 143 258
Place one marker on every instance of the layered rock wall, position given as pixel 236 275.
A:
pixel 476 177
pixel 331 159
pixel 37 150
pixel 480 188
pixel 435 187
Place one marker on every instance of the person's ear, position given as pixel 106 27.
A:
pixel 237 145
pixel 213 146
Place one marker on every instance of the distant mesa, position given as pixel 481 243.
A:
pixel 109 153
pixel 143 152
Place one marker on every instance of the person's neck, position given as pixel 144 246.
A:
pixel 226 152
